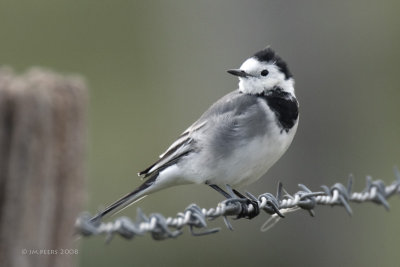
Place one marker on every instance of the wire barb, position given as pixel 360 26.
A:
pixel 162 228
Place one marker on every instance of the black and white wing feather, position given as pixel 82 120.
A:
pixel 183 146
pixel 225 118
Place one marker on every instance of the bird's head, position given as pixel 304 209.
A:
pixel 264 71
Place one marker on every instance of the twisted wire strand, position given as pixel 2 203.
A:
pixel 282 203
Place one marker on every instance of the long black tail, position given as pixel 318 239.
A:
pixel 125 200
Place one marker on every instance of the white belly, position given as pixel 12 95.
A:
pixel 255 159
pixel 247 164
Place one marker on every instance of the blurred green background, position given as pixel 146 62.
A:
pixel 154 66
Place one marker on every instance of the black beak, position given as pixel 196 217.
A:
pixel 239 73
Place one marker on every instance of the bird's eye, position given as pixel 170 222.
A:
pixel 264 72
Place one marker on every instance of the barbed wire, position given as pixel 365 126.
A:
pixel 282 203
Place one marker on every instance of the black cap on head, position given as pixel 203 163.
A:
pixel 269 55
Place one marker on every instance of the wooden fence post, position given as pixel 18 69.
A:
pixel 42 174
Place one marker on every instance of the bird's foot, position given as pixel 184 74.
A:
pixel 247 211
pixel 249 207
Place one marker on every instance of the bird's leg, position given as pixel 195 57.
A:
pixel 220 190
pixel 245 205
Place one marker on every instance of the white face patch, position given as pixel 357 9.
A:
pixel 257 84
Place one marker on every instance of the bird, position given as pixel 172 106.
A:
pixel 235 141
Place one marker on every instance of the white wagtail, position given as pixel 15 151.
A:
pixel 236 140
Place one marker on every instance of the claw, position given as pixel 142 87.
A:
pixel 246 213
pixel 245 203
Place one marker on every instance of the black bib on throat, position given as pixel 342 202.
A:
pixel 284 105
